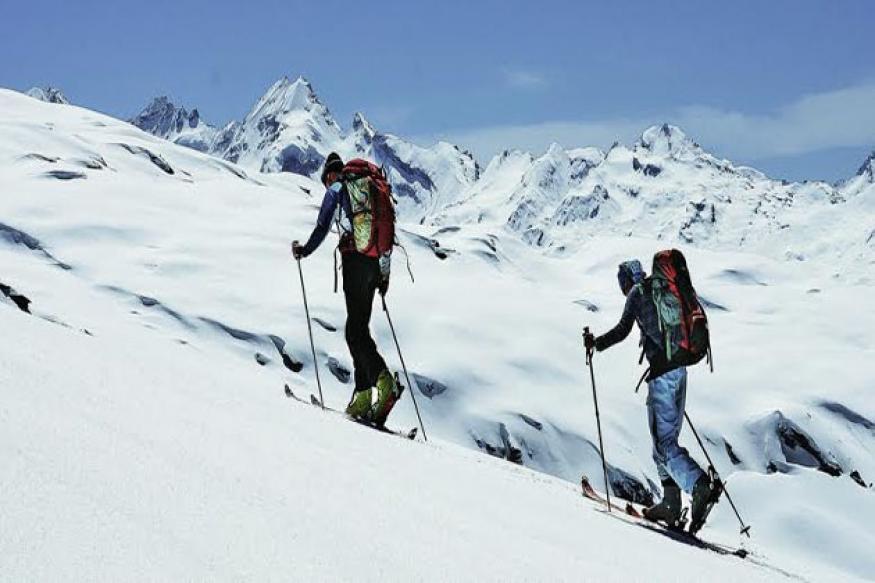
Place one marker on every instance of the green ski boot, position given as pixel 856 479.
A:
pixel 388 390
pixel 359 407
pixel 668 511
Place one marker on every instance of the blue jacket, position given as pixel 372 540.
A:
pixel 335 196
pixel 639 309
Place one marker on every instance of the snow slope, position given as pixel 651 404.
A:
pixel 145 433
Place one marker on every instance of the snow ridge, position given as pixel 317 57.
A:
pixel 664 185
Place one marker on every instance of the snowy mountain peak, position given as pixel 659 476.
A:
pixel 667 140
pixel 362 128
pixel 867 170
pixel 163 118
pixel 286 96
pixel 48 94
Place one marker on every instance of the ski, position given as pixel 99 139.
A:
pixel 632 515
pixel 314 401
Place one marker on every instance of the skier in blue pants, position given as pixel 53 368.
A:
pixel 666 399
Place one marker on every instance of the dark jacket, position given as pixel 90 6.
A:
pixel 639 308
pixel 335 196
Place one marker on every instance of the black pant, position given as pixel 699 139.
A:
pixel 361 277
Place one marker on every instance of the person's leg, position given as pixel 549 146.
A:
pixel 357 315
pixel 372 363
pixel 665 401
pixel 658 457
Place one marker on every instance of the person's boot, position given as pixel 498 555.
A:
pixel 388 392
pixel 359 407
pixel 706 492
pixel 668 510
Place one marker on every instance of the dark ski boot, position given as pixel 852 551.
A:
pixel 706 493
pixel 668 510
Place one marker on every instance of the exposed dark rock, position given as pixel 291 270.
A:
pixel 855 475
pixel 64 174
pixel 384 155
pixel 800 449
pixel 94 163
pixel 153 303
pixel 294 159
pixel 261 359
pixel 48 94
pixel 445 230
pixel 591 307
pixel 151 156
pixel 648 169
pixel 326 325
pixel 428 386
pixel 21 301
pixel 729 451
pixel 16 237
pixel 339 371
pixel 41 158
pixel 848 414
pixel 432 244
pixel 235 171
pixel 577 208
pixel 289 362
pixel 626 486
pixel 711 305
pixel 739 277
pixel 235 333
pixel 505 450
pixel 536 424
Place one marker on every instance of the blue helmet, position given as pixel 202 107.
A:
pixel 630 273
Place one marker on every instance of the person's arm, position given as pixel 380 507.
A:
pixel 323 223
pixel 619 332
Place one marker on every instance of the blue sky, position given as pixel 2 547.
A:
pixel 787 86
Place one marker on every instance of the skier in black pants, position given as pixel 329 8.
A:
pixel 361 280
pixel 376 390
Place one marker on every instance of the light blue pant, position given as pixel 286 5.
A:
pixel 667 395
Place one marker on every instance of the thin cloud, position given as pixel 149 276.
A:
pixel 839 118
pixel 522 79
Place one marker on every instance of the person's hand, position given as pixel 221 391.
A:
pixel 297 250
pixel 588 340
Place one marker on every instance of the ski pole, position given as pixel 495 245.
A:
pixel 404 366
pixel 745 529
pixel 598 421
pixel 310 330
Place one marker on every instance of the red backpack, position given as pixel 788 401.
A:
pixel 682 319
pixel 373 208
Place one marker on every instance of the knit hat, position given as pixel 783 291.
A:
pixel 333 163
pixel 629 273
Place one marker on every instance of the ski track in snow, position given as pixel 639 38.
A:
pixel 142 437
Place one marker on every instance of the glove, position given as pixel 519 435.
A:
pixel 297 250
pixel 385 269
pixel 588 340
